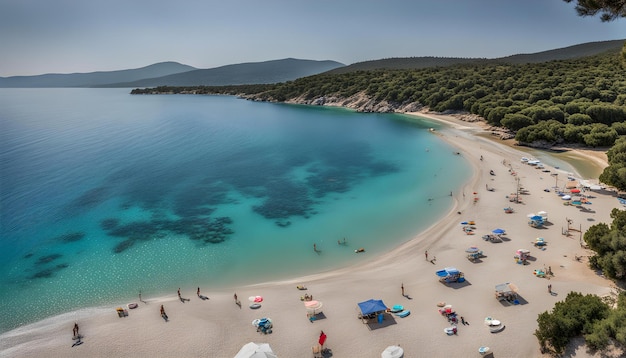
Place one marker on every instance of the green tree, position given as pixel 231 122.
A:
pixel 609 9
pixel 576 315
pixel 516 121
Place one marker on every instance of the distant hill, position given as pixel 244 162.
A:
pixel 275 71
pixel 95 78
pixel 576 51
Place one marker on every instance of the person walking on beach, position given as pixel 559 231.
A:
pixel 235 296
pixel 179 293
pixel 163 314
pixel 426 254
pixel 402 288
pixel 198 293
pixel 75 330
pixel 550 288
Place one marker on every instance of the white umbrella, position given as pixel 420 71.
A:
pixel 256 350
pixel 393 352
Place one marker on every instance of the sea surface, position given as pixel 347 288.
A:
pixel 104 194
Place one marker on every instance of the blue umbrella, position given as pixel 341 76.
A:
pixel 472 249
pixel 498 231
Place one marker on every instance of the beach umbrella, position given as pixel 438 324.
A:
pixel 393 352
pixel 536 217
pixel 256 350
pixel 575 191
pixel 313 305
pixel 256 299
pixel 471 250
pixel 498 231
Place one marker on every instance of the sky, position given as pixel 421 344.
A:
pixel 70 36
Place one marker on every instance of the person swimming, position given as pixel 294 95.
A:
pixel 359 250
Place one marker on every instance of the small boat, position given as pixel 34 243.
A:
pixel 255 306
pixel 497 329
pixel 525 160
pixel 132 305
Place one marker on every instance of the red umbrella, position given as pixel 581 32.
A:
pixel 575 191
pixel 322 338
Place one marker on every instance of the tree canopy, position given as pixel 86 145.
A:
pixel 609 9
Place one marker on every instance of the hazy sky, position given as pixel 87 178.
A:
pixel 65 36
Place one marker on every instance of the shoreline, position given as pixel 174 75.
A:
pixel 597 157
pixel 217 327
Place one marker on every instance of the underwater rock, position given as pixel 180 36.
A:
pixel 71 237
pixel 92 197
pixel 124 245
pixel 109 224
pixel 46 259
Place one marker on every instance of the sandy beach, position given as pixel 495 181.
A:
pixel 217 327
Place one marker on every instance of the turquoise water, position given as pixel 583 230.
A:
pixel 104 194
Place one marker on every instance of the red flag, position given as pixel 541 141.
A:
pixel 322 338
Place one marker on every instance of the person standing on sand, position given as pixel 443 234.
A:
pixel 198 293
pixel 75 329
pixel 179 293
pixel 426 254
pixel 235 296
pixel 402 288
pixel 550 288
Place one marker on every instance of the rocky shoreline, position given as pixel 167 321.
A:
pixel 363 103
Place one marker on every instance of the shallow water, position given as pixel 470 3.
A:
pixel 105 194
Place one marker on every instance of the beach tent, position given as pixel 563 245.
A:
pixel 543 214
pixel 372 306
pixel 256 350
pixel 506 291
pixel 393 352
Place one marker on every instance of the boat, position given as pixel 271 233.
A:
pixel 255 306
pixel 524 160
pixel 496 329
pixel 132 305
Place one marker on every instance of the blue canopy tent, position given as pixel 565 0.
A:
pixel 371 308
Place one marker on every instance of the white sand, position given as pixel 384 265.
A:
pixel 218 328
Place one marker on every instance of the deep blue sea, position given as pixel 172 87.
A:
pixel 104 194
